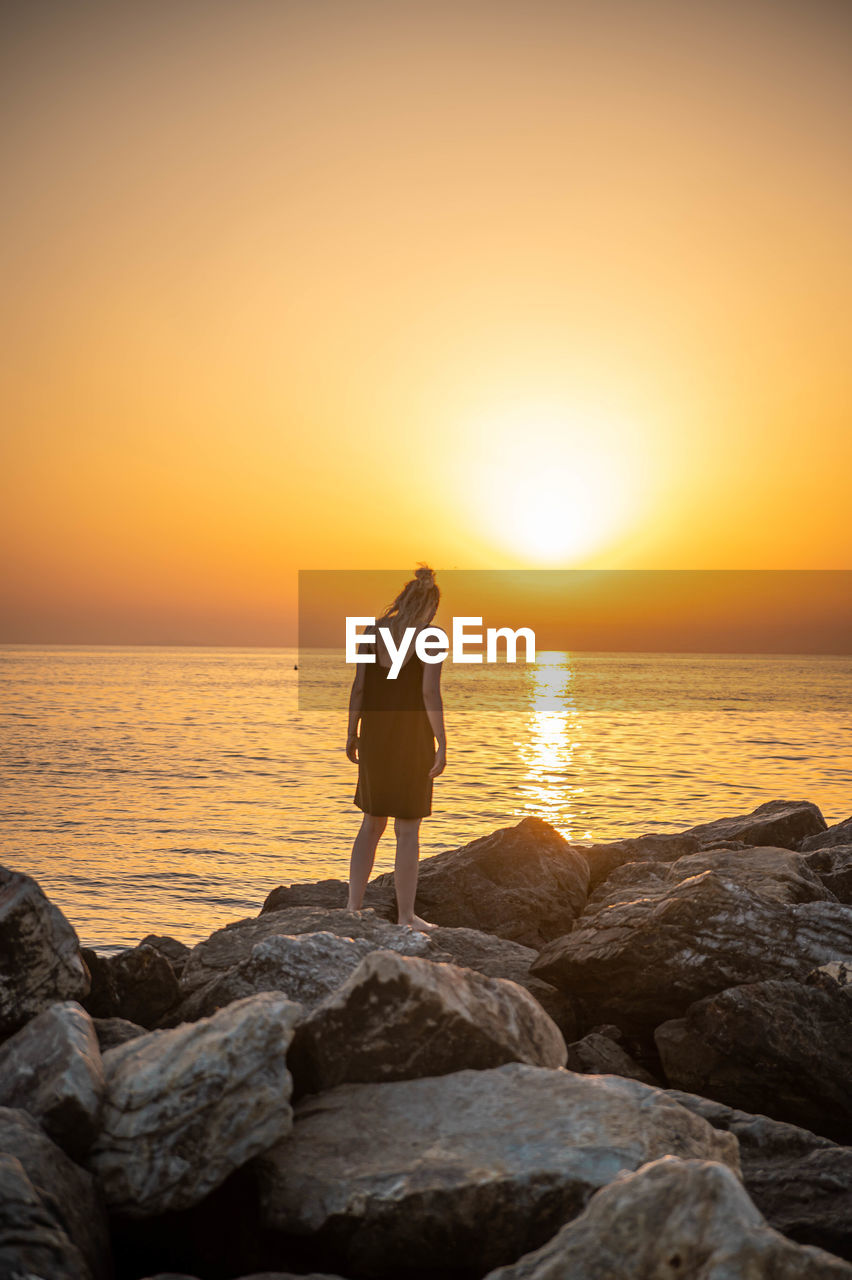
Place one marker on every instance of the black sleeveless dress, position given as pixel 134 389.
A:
pixel 396 747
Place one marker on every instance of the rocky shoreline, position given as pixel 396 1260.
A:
pixel 626 1060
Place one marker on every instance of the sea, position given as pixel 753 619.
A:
pixel 168 789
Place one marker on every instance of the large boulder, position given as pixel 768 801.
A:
pixel 115 1031
pixel 32 1243
pixel 778 874
pixel 186 1107
pixel 138 984
pixel 40 959
pixel 177 953
pixel 672 1217
pixel 331 895
pixel 600 1054
pixel 839 834
pixel 641 963
pixel 800 1181
pixel 833 865
pixel 784 824
pixel 229 946
pixel 465 1171
pixel 70 1196
pixel 525 883
pixel 52 1068
pixel 782 1048
pixel 604 858
pixel 398 1017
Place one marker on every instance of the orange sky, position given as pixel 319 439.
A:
pixel 539 285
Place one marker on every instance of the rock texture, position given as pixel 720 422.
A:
pixel 399 1017
pixel 40 959
pixel 673 1217
pixel 186 1107
pixel 640 963
pixel 833 865
pixel 604 858
pixel 115 1031
pixel 782 1048
pixel 52 1069
pixel 467 1170
pixel 525 883
pixel 69 1195
pixel 782 823
pixel 138 984
pixel 598 1054
pixel 839 834
pixel 32 1244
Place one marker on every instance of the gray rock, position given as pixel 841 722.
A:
pixel 783 824
pixel 32 1245
pixel 525 883
pixel 115 1031
pixel 604 858
pixel 640 963
pixel 175 952
pixel 138 984
pixel 598 1054
pixel 839 834
pixel 186 1107
pixel 672 1217
pixel 466 1170
pixel 833 865
pixel 52 1069
pixel 399 1017
pixel 70 1196
pixel 229 946
pixel 781 1048
pixel 40 959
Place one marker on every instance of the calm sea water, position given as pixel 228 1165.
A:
pixel 169 789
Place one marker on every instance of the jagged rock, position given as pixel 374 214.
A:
pixel 839 834
pixel 399 1017
pixel 52 1069
pixel 598 1054
pixel 229 946
pixel 673 1217
pixel 784 824
pixel 778 874
pixel 525 883
pixel 70 1196
pixel 833 865
pixel 782 1048
pixel 331 895
pixel 305 967
pixel 115 1031
pixel 186 1107
pixel 800 1182
pixel 833 977
pixel 641 963
pixel 604 858
pixel 32 1244
pixel 40 959
pixel 138 984
pixel 466 1170
pixel 175 952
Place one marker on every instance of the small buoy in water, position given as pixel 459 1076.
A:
pixel 295 666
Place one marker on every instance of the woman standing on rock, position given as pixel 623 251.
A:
pixel 401 719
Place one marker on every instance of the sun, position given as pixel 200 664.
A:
pixel 554 485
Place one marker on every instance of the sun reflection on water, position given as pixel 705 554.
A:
pixel 550 748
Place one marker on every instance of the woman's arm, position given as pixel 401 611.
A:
pixel 435 711
pixel 356 699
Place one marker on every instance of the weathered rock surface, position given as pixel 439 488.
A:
pixel 304 967
pixel 777 874
pixel 176 952
pixel 331 895
pixel 781 823
pixel 604 858
pixel 467 1170
pixel 400 1017
pixel 782 1048
pixel 229 946
pixel 673 1217
pixel 598 1054
pixel 40 959
pixel 525 883
pixel 644 962
pixel 833 865
pixel 32 1244
pixel 839 834
pixel 52 1069
pixel 70 1195
pixel 115 1031
pixel 186 1107
pixel 138 984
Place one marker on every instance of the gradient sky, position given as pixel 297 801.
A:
pixel 355 285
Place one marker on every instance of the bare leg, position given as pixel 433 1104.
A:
pixel 363 856
pixel 405 871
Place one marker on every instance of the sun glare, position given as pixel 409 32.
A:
pixel 554 487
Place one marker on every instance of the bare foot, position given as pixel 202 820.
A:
pixel 417 922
